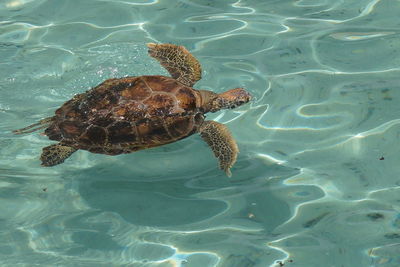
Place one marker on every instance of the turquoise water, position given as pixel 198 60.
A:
pixel 317 181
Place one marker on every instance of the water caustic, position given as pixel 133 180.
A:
pixel 315 183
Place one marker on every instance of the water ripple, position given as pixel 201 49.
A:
pixel 317 155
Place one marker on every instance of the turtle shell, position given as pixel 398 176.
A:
pixel 128 114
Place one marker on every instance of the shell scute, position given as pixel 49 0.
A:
pixel 160 83
pixel 121 132
pixel 186 98
pixel 154 132
pixel 71 129
pixel 160 104
pixel 102 121
pixel 136 90
pixel 97 135
pixel 180 126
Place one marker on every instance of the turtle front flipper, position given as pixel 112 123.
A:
pixel 55 154
pixel 222 144
pixel 178 61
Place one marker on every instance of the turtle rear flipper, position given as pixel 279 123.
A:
pixel 222 144
pixel 178 61
pixel 55 154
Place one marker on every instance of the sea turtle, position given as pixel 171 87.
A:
pixel 129 114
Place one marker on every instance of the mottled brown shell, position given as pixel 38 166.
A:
pixel 128 114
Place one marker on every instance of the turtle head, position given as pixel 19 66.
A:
pixel 230 99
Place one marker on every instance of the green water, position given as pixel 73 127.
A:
pixel 317 181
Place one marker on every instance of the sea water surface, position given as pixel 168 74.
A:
pixel 317 182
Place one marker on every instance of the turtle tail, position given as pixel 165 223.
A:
pixel 35 127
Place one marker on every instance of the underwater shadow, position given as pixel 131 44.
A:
pixel 163 198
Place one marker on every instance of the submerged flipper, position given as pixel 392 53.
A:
pixel 35 127
pixel 178 61
pixel 55 154
pixel 222 144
